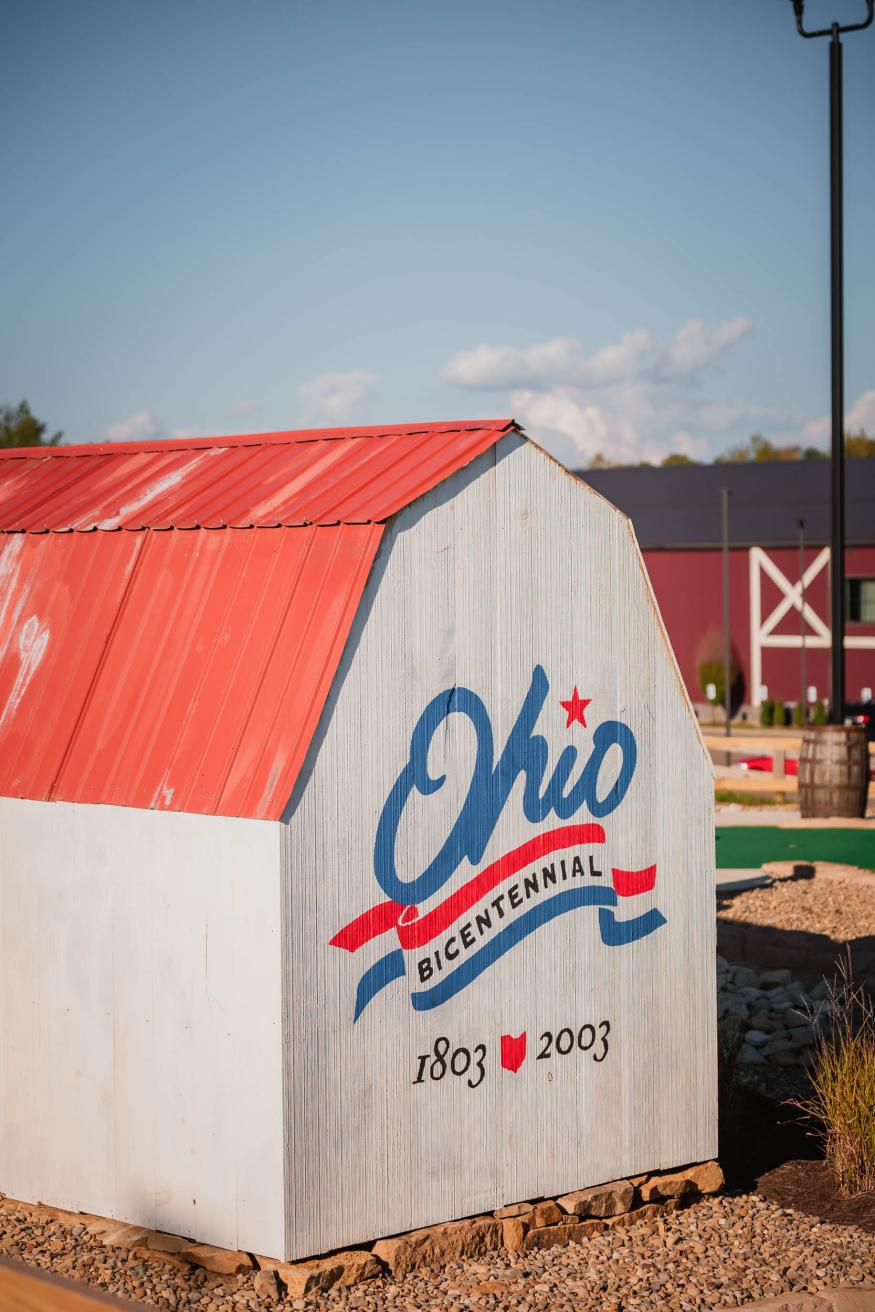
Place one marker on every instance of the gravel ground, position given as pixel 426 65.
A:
pixel 720 1252
pixel 817 906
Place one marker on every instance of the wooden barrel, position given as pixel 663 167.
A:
pixel 833 771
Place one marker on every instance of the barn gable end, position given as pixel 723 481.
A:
pixel 510 566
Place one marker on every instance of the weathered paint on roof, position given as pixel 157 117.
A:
pixel 187 671
pixel 331 476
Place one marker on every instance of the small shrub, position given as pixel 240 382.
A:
pixel 779 717
pixel 799 716
pixel 819 712
pixel 709 667
pixel 767 712
pixel 842 1101
pixel 727 796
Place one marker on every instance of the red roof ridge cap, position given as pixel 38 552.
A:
pixel 280 438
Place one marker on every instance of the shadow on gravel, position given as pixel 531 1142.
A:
pixel 766 1149
pixel 761 1135
pixel 810 957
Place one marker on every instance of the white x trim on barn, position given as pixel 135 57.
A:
pixel 762 631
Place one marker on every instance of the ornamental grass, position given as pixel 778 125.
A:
pixel 842 1076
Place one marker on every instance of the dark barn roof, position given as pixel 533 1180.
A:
pixel 680 506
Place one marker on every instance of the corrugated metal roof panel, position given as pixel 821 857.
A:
pixel 59 602
pixel 187 671
pixel 176 671
pixel 332 476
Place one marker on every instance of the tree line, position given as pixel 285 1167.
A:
pixel 758 448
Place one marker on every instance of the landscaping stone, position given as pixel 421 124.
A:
pixel 545 1213
pixel 323 1273
pixel 265 1285
pixel 693 1254
pixel 705 1178
pixel 648 1212
pixel 513 1209
pixel 567 1232
pixel 439 1244
pixel 221 1261
pixel 601 1200
pixel 513 1232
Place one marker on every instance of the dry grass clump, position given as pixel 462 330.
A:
pixel 842 1076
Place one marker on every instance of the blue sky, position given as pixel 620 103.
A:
pixel 609 219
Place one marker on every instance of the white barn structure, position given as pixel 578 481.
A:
pixel 356 838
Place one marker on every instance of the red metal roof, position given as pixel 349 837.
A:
pixel 329 476
pixel 187 671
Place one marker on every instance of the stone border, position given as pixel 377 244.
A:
pixel 516 1228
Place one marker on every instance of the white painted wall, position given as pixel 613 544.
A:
pixel 511 563
pixel 140 1027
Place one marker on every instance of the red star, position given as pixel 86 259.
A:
pixel 575 708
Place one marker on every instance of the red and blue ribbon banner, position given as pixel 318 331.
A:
pixel 554 873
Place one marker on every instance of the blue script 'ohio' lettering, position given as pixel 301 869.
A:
pixel 524 753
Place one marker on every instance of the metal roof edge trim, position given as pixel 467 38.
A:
pixel 287 437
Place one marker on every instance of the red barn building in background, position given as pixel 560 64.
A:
pixel 676 512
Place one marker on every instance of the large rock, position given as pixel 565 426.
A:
pixel 545 1213
pixel 512 1210
pixel 117 1234
pixel 439 1244
pixel 265 1285
pixel 601 1200
pixel 513 1233
pixel 569 1232
pixel 705 1178
pixel 349 1268
pixel 221 1261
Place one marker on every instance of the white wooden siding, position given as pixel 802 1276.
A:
pixel 140 1029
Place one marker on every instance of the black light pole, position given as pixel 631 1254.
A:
pixel 803 671
pixel 727 691
pixel 837 497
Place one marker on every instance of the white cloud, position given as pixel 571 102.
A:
pixel 138 427
pixel 861 415
pixel 562 362
pixel 334 395
pixel 696 346
pixel 245 408
pixel 631 400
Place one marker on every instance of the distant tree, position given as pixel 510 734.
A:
pixel 758 448
pixel 601 461
pixel 19 427
pixel 859 444
pixel 678 458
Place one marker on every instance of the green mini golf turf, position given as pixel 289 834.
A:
pixel 751 845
